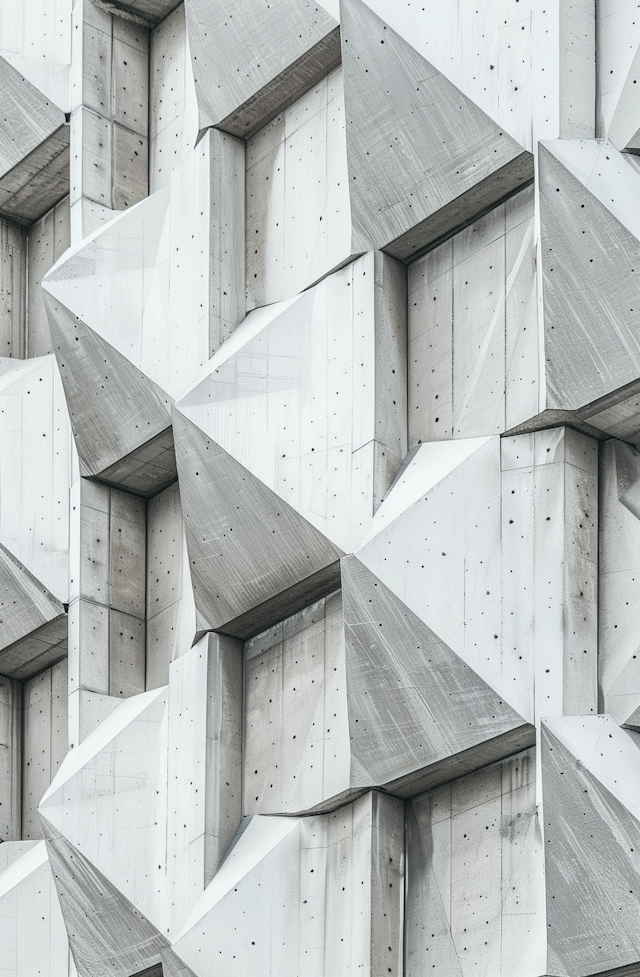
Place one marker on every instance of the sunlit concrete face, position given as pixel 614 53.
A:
pixel 319 488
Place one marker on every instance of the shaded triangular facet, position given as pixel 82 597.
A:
pixel 592 848
pixel 114 408
pixel 423 158
pixel 25 604
pixel 591 271
pixel 107 934
pixel 418 715
pixel 250 62
pixel 253 558
pixel 28 117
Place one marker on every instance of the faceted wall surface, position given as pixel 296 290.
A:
pixel 319 488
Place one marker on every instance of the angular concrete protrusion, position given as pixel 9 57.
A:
pixel 418 714
pixel 492 543
pixel 252 61
pixel 28 611
pixel 253 558
pixel 309 396
pixel 109 936
pixel 424 160
pixel 34 149
pixel 120 418
pixel 590 241
pixel 591 815
pixel 119 824
pixel 319 895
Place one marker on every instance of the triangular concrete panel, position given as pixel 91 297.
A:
pixel 252 60
pixel 423 159
pixel 28 117
pixel 25 604
pixel 109 937
pixel 592 849
pixel 114 408
pixel 590 229
pixel 418 715
pixel 253 558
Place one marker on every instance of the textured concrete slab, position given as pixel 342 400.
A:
pixel 115 410
pixel 590 279
pixel 107 934
pixel 26 606
pixel 587 826
pixel 392 127
pixel 411 699
pixel 272 557
pixel 252 62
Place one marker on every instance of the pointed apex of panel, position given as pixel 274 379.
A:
pixel 253 60
pixel 423 158
pixel 109 937
pixel 590 781
pixel 590 237
pixel 115 410
pixel 418 715
pixel 253 559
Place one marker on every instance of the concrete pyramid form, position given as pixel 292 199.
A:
pixel 286 893
pixel 308 395
pixel 590 776
pixel 252 555
pixel 28 609
pixel 401 112
pixel 34 149
pixel 172 258
pixel 108 935
pixel 119 826
pixel 418 715
pixel 590 234
pixel 120 418
pixel 437 530
pixel 251 62
pixel 34 939
pixel 36 440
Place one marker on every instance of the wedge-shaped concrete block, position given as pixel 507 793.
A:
pixel 590 772
pixel 418 715
pixel 252 556
pixel 34 149
pixel 619 593
pixel 120 824
pixel 401 111
pixel 34 939
pixel 449 541
pixel 335 352
pixel 36 467
pixel 249 63
pixel 590 242
pixel 107 933
pixel 475 873
pixel 120 418
pixel 292 892
pixel 28 611
pixel 175 257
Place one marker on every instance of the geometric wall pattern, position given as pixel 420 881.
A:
pixel 319 488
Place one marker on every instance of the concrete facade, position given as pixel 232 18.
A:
pixel 319 488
